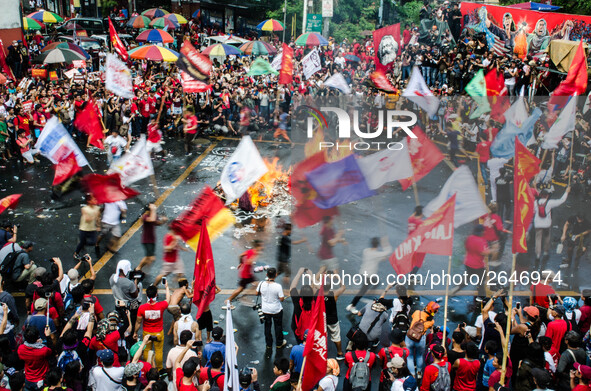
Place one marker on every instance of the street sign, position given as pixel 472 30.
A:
pixel 327 10
pixel 314 23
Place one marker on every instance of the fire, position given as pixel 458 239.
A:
pixel 262 192
pixel 313 146
pixel 340 151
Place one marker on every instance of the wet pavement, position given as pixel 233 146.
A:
pixel 53 226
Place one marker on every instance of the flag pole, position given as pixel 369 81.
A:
pixel 415 190
pixel 509 321
pixel 301 374
pixel 570 163
pixel 446 303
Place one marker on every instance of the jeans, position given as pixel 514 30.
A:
pixel 30 386
pixel 484 172
pixel 426 72
pixel 406 72
pixel 277 319
pixel 86 237
pixel 158 346
pixel 416 355
pixel 442 78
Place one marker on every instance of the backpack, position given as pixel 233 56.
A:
pixel 213 380
pixel 416 330
pixel 443 380
pixel 387 383
pixel 69 305
pixel 401 321
pixel 7 267
pixel 66 357
pixel 569 327
pixel 359 375
pixel 542 209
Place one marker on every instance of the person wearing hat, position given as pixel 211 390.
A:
pixel 432 371
pixel 23 265
pixel 39 319
pixel 580 378
pixel 399 376
pixel 331 380
pixel 104 376
pixel 557 328
pixel 215 345
pixel 543 206
pixel 542 379
pixel 417 349
pixel 131 375
pixel 526 325
pixel 72 278
pixel 249 379
pixel 476 251
pixel 396 348
pixel 571 356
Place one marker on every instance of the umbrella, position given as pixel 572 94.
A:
pixel 58 55
pixel 46 17
pixel 66 45
pixel 221 50
pixel 270 25
pixel 155 13
pixel 138 22
pixel 311 39
pixel 257 48
pixel 154 53
pixel 161 23
pixel 32 24
pixel 350 57
pixel 71 25
pixel 155 35
pixel 196 14
pixel 180 19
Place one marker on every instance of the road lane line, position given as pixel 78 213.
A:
pixel 138 223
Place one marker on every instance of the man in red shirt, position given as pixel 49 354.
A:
pixel 36 357
pixel 432 371
pixel 172 262
pixel 215 372
pixel 386 354
pixel 466 369
pixel 580 378
pixel 476 250
pixel 245 272
pixel 493 226
pixel 361 344
pixel 483 151
pixel 150 316
pixel 557 328
pixel 190 129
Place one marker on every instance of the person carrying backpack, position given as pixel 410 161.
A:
pixel 359 362
pixel 387 354
pixel 436 376
pixel 422 321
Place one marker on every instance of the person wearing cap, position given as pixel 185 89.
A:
pixel 39 319
pixel 432 371
pixel 570 357
pixel 214 346
pixel 71 279
pixel 331 380
pixel 23 265
pixel 476 251
pixel 396 348
pixel 541 378
pixel 104 376
pixel 557 328
pixel 417 349
pixel 543 206
pixel 580 378
pixel 249 379
pixel 36 356
pixel 526 325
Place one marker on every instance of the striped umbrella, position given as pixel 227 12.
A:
pixel 46 17
pixel 66 45
pixel 221 50
pixel 258 48
pixel 154 53
pixel 59 55
pixel 160 23
pixel 155 35
pixel 138 22
pixel 311 39
pixel 180 19
pixel 32 24
pixel 155 13
pixel 270 25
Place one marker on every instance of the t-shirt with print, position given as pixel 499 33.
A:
pixel 152 314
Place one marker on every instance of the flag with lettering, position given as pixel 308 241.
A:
pixel 315 350
pixel 386 166
pixel 118 45
pixel 435 235
pixel 526 167
pixel 204 273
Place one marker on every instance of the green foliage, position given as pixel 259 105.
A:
pixel 108 5
pixel 294 7
pixel 409 12
pixel 351 18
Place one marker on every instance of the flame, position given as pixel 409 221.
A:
pixel 261 193
pixel 313 146
pixel 339 151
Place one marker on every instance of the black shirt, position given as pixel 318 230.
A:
pixel 331 308
pixel 284 254
pixel 576 227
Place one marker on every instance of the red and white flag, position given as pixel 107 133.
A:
pixel 418 92
pixel 135 164
pixel 424 156
pixel 65 169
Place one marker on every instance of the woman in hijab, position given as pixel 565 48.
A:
pixel 538 40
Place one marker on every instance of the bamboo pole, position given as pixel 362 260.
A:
pixel 446 303
pixel 509 321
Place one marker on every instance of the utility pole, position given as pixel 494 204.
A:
pixel 284 18
pixel 305 16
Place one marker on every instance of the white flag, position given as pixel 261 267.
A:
pixel 55 143
pixel 563 124
pixel 469 203
pixel 338 81
pixel 134 165
pixel 418 92
pixel 311 63
pixel 587 104
pixel 517 114
pixel 244 168
pixel 276 64
pixel 118 77
pixel 231 379
pixel 386 166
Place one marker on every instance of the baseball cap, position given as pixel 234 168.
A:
pixel 40 304
pixel 558 308
pixel 217 332
pixel 73 275
pixel 133 350
pixel 471 331
pixel 132 369
pixel 543 378
pixel 39 272
pixel 396 362
pixel 584 369
pixel 106 356
pixel 532 311
pixel 27 244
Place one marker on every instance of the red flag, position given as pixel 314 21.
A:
pixel 65 169
pixel 306 212
pixel 523 208
pixel 88 120
pixel 9 202
pixel 117 43
pixel 286 71
pixel 434 236
pixel 497 95
pixel 107 188
pixel 5 68
pixel 386 44
pixel 204 274
pixel 381 82
pixel 575 83
pixel 315 350
pixel 424 156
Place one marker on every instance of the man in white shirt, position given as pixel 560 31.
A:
pixel 271 297
pixel 115 145
pixel 106 377
pixel 543 222
pixel 114 213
